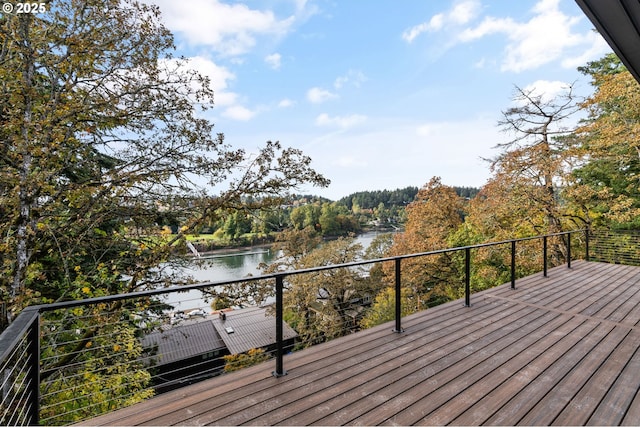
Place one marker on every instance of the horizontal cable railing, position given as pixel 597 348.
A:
pixel 19 373
pixel 68 362
pixel 616 247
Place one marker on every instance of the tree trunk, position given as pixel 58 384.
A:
pixel 26 199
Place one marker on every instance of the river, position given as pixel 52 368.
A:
pixel 229 266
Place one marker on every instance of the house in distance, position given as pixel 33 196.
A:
pixel 192 349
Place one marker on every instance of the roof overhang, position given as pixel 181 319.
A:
pixel 618 21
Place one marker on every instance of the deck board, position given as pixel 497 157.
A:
pixel 562 349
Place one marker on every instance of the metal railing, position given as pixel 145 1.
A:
pixel 616 246
pixel 62 363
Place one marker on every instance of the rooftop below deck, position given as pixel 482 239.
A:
pixel 556 350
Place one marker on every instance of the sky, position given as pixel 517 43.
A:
pixel 380 94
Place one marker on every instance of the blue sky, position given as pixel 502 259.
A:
pixel 380 94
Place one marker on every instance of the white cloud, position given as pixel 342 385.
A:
pixel 461 13
pixel 595 48
pixel 238 112
pixel 546 89
pixel 353 77
pixel 488 26
pixel 342 122
pixel 230 29
pixel 218 76
pixel 286 103
pixel 544 38
pixel 547 36
pixel 318 95
pixel 464 11
pixel 435 23
pixel 273 60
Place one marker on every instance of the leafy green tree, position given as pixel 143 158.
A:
pixel 605 185
pixel 328 220
pixel 322 302
pixel 307 215
pixel 319 305
pixel 103 130
pixel 236 224
pixel 235 362
pixel 335 220
pixel 384 306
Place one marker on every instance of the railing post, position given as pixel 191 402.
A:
pixel 398 327
pixel 34 371
pixel 569 250
pixel 544 255
pixel 586 243
pixel 467 277
pixel 279 372
pixel 513 264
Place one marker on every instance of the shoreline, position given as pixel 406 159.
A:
pixel 230 250
pixel 233 249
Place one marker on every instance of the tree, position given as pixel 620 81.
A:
pixel 306 216
pixel 318 305
pixel 384 306
pixel 321 302
pixel 102 129
pixel 335 220
pixel 536 160
pixel 235 362
pixel 432 217
pixel 606 183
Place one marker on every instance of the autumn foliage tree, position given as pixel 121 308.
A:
pixel 607 183
pixel 432 217
pixel 104 130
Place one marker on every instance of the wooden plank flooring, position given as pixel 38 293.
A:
pixel 560 350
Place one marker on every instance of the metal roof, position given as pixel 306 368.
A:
pixel 183 342
pixel 241 331
pixel 618 21
pixel 250 328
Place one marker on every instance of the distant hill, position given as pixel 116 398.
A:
pixel 390 198
pixel 372 199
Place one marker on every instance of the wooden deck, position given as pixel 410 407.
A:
pixel 557 350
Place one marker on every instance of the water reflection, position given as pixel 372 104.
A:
pixel 230 265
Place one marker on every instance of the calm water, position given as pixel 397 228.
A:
pixel 234 265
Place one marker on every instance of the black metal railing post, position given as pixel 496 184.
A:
pixel 467 277
pixel 569 250
pixel 586 244
pixel 34 370
pixel 513 264
pixel 544 256
pixel 279 372
pixel 398 327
